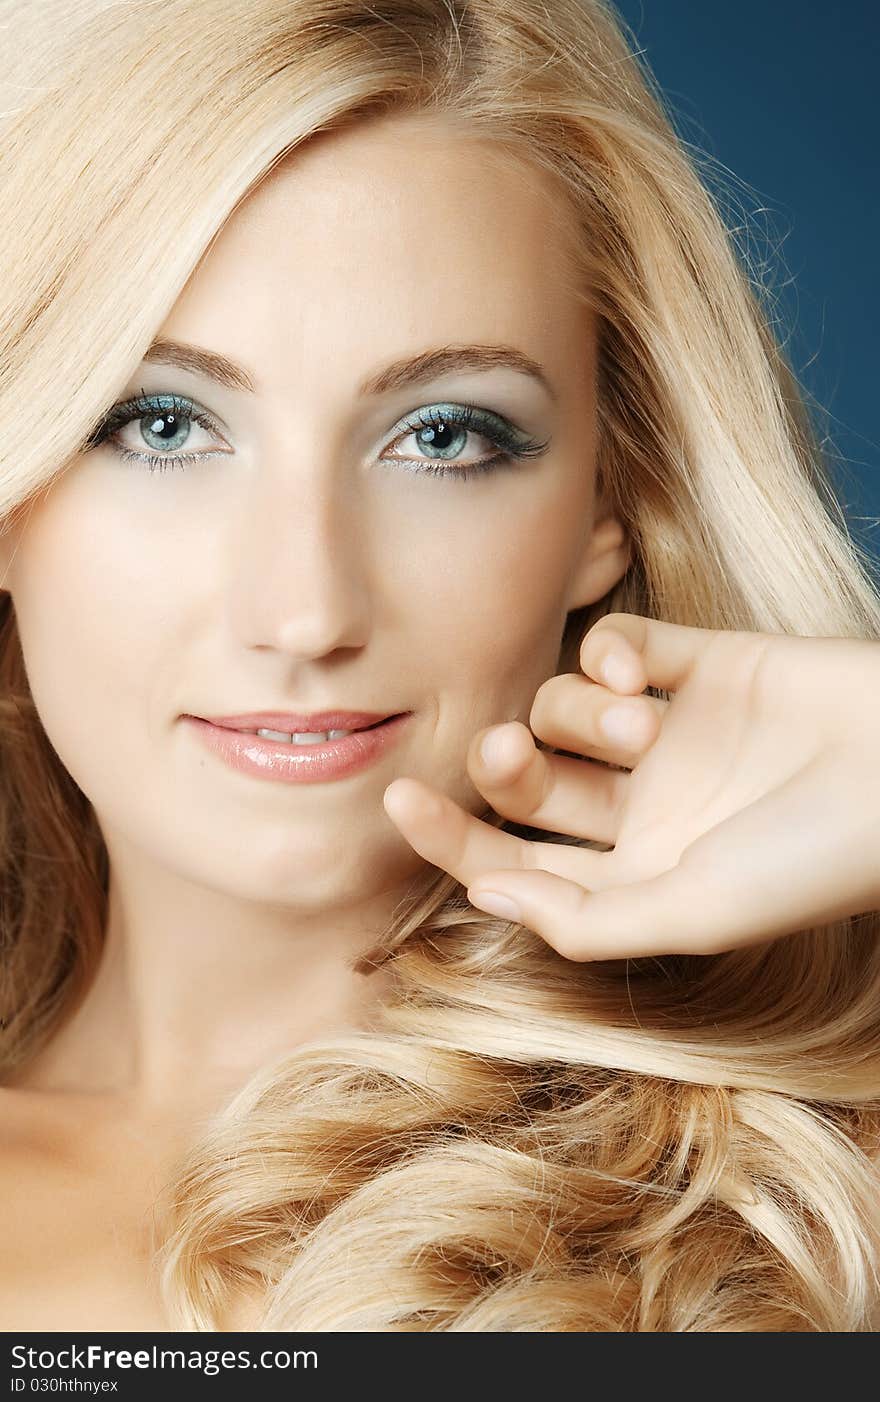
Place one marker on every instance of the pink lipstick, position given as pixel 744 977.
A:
pixel 289 762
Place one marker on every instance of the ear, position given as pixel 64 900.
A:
pixel 605 558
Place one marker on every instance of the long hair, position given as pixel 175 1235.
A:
pixel 521 1142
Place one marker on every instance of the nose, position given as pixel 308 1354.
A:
pixel 298 580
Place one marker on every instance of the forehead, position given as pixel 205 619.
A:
pixel 393 230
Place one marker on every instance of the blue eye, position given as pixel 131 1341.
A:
pixel 164 417
pixel 442 430
pixel 434 428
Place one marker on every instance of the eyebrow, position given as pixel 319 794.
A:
pixel 412 370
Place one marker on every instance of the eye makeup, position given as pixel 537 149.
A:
pixel 167 410
pixel 464 419
pixel 431 426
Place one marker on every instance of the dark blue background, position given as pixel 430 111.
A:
pixel 784 93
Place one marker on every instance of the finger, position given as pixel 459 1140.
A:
pixel 779 865
pixel 730 888
pixel 538 789
pixel 541 790
pixel 443 833
pixel 574 713
pixel 632 645
pixel 659 916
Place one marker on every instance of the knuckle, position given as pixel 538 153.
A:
pixel 610 620
pixel 631 627
pixel 713 942
pixel 531 856
pixel 569 941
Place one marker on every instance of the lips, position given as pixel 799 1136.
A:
pixel 309 763
pixel 290 723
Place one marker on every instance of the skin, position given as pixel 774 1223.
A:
pixel 299 571
pixel 743 810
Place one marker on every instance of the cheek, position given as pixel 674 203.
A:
pixel 90 619
pixel 487 600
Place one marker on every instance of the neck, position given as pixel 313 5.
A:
pixel 195 989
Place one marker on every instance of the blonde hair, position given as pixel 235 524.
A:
pixel 522 1142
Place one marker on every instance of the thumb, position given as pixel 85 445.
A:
pixel 663 915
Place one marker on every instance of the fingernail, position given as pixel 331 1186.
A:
pixel 617 671
pixel 495 904
pixel 617 723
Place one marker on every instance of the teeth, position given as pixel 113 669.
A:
pixel 306 737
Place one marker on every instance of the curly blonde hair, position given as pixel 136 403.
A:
pixel 521 1142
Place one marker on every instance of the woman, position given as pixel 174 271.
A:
pixel 454 385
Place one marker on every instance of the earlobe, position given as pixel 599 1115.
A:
pixel 605 558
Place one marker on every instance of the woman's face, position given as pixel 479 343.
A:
pixel 309 564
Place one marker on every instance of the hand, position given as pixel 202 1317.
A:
pixel 749 809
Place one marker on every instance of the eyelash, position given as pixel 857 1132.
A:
pixel 483 421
